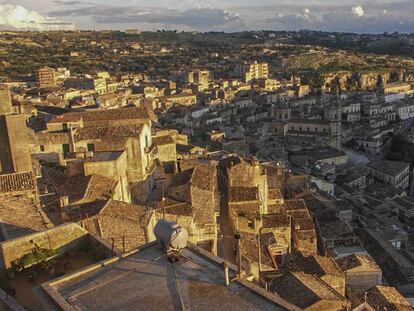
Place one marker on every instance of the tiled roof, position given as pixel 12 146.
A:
pixel 127 212
pixel 108 132
pixel 249 247
pixel 357 260
pixel 275 194
pixel 276 221
pixel 182 178
pixel 311 264
pixel 17 182
pixel 162 140
pixel 241 194
pixel 304 290
pixel 20 215
pixel 110 114
pixel 174 207
pixel 386 297
pixel 202 177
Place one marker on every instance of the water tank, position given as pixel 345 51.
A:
pixel 170 235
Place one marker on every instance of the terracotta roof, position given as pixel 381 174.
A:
pixel 276 221
pixel 241 194
pixel 311 264
pixel 275 194
pixel 386 297
pixel 182 178
pixel 20 215
pixel 305 290
pixel 249 247
pixel 108 132
pixel 303 223
pixel 17 182
pixel 127 212
pixel 81 188
pixel 295 204
pixel 174 207
pixel 202 177
pixel 357 260
pixel 162 140
pixel 110 114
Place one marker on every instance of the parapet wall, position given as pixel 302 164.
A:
pixel 64 237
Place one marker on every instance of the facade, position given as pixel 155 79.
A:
pixel 393 173
pixel 97 85
pixel 252 71
pixel 46 77
pixel 405 111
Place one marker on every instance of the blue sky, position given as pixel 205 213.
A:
pixel 225 15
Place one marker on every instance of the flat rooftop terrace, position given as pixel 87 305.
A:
pixel 146 280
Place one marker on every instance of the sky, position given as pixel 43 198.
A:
pixel 361 16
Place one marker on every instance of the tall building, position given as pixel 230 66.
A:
pixel 46 77
pixel 380 90
pixel 199 77
pixel 5 100
pixel 252 70
pixel 335 119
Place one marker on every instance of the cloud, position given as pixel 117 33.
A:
pixel 199 17
pixel 358 11
pixel 18 17
pixel 71 2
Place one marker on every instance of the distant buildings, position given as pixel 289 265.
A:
pixel 252 70
pixel 393 173
pixel 46 77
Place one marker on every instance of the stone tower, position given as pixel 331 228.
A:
pixel 335 119
pixel 380 90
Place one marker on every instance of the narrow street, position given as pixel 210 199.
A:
pixel 226 240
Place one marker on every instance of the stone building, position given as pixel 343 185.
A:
pixel 393 173
pixel 14 144
pixel 361 273
pixel 124 129
pixel 126 226
pixel 196 185
pixel 383 298
pixel 46 77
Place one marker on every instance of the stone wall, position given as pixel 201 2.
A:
pixel 64 237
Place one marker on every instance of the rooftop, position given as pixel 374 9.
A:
pixel 17 182
pixel 388 167
pixel 353 261
pixel 105 156
pixel 100 115
pixel 108 132
pixel 146 277
pixel 20 215
pixel 387 297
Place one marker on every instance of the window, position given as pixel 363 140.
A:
pixel 91 147
pixel 146 141
pixel 65 149
pixel 42 148
pixel 65 127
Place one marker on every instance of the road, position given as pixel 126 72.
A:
pixel 226 243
